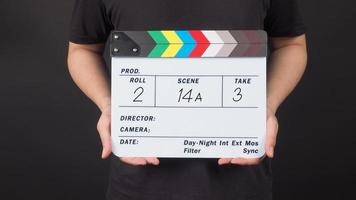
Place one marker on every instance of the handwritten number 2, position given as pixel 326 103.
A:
pixel 138 90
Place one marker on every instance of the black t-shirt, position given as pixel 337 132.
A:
pixel 93 20
pixel 186 179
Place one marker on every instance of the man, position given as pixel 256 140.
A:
pixel 187 179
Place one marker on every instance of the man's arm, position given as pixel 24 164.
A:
pixel 285 68
pixel 87 68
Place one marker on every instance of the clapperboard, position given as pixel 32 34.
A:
pixel 189 93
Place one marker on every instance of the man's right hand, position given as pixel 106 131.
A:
pixel 104 129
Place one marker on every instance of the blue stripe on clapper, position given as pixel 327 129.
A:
pixel 189 44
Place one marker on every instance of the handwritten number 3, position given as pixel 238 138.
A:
pixel 238 95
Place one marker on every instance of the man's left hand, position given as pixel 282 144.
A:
pixel 271 137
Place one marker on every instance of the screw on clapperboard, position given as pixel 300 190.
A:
pixel 116 37
pixel 116 50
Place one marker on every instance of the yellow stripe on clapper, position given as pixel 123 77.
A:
pixel 175 43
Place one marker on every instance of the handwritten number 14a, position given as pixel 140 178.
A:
pixel 187 96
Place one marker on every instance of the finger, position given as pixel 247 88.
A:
pixel 245 161
pixel 152 160
pixel 272 130
pixel 134 160
pixel 105 137
pixel 224 161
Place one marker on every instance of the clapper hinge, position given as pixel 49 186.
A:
pixel 122 45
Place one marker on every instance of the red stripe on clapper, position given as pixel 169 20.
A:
pixel 202 43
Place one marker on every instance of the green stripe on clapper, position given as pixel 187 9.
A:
pixel 161 43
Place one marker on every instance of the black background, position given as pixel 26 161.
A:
pixel 48 140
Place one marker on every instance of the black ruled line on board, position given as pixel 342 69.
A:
pixel 146 136
pixel 192 75
pixel 254 107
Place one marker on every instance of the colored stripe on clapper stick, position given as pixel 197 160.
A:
pixel 202 43
pixel 161 43
pixel 216 44
pixel 188 44
pixel 229 44
pixel 175 43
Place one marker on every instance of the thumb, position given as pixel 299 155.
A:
pixel 105 137
pixel 272 130
pixel 106 149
